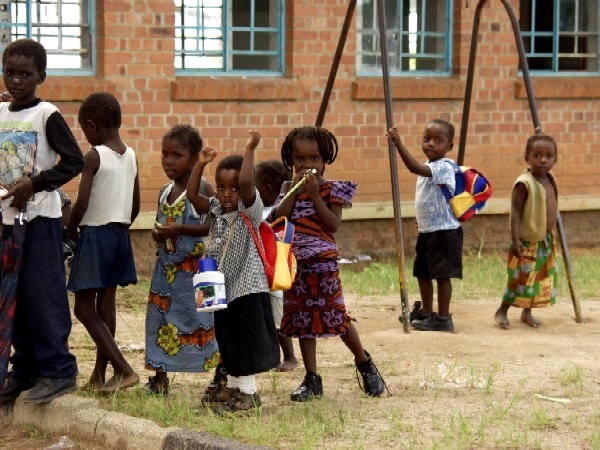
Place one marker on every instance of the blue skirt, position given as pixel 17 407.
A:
pixel 103 257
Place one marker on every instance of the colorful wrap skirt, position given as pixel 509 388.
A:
pixel 531 279
pixel 314 305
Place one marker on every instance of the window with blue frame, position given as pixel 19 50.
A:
pixel 229 37
pixel 63 27
pixel 561 35
pixel 419 37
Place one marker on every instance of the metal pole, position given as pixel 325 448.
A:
pixel 336 63
pixel 404 317
pixel 469 84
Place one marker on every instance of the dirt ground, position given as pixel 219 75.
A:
pixel 480 387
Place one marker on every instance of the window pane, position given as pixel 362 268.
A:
pixel 237 34
pixel 561 35
pixel 62 26
pixel 418 36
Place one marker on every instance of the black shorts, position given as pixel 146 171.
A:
pixel 439 254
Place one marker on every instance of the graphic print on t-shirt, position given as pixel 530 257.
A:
pixel 17 154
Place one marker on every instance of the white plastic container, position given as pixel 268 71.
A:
pixel 209 288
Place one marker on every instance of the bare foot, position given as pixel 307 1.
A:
pixel 529 319
pixel 502 319
pixel 287 365
pixel 94 384
pixel 120 382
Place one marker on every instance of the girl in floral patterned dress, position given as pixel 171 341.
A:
pixel 314 306
pixel 178 339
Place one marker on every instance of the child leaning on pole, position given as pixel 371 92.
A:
pixel 245 330
pixel 531 265
pixel 440 240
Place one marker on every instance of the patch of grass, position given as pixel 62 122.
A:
pixel 483 277
pixel 571 377
pixel 541 420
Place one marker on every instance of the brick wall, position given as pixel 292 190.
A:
pixel 135 62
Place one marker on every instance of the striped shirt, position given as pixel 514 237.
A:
pixel 243 269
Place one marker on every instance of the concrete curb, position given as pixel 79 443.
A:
pixel 71 415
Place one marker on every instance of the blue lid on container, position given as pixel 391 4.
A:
pixel 207 265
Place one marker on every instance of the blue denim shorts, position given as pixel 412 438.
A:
pixel 103 257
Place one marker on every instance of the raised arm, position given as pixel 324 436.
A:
pixel 246 181
pixel 409 160
pixel 201 202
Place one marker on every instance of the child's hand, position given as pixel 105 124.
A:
pixel 394 136
pixel 165 231
pixel 253 140
pixel 312 184
pixel 21 191
pixel 516 249
pixel 156 236
pixel 207 154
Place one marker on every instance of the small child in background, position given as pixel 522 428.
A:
pixel 108 201
pixel 440 241
pixel 245 330
pixel 314 306
pixel 178 339
pixel 531 268
pixel 269 177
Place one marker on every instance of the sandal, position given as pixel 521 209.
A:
pixel 157 387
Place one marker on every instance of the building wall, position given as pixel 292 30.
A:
pixel 135 62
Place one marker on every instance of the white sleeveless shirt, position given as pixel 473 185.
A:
pixel 111 198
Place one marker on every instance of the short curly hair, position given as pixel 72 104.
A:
pixel 539 136
pixel 187 136
pixel 231 162
pixel 30 49
pixel 101 107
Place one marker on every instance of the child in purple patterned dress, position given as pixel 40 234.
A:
pixel 314 306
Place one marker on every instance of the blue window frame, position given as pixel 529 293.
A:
pixel 419 37
pixel 66 28
pixel 561 35
pixel 229 37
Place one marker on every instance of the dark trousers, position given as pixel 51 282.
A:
pixel 42 317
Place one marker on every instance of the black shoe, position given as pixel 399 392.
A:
pixel 238 401
pixel 157 386
pixel 417 313
pixel 311 387
pixel 13 388
pixel 219 381
pixel 48 389
pixel 434 323
pixel 373 383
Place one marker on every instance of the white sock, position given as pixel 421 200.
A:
pixel 232 382
pixel 246 384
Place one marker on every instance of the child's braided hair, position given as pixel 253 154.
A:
pixel 328 146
